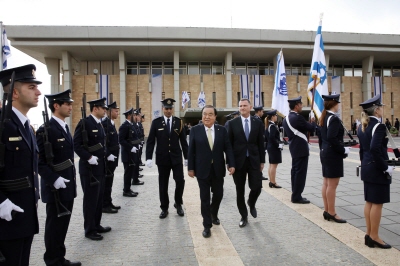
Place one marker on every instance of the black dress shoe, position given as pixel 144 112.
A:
pixel 163 214
pixel 142 164
pixel 109 210
pixel 274 185
pixel 115 207
pixel 94 236
pixel 138 183
pixel 179 209
pixel 206 232
pixel 140 169
pixel 253 210
pixel 302 201
pixel 71 263
pixel 366 237
pixel 216 221
pixel 243 222
pixel 129 194
pixel 332 217
pixel 104 229
pixel 326 216
pixel 140 176
pixel 372 243
pixel 264 178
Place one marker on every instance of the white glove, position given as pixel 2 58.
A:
pixel 134 149
pixel 390 170
pixel 281 146
pixel 311 115
pixel 5 209
pixel 111 158
pixel 347 150
pixel 93 160
pixel 185 163
pixel 149 163
pixel 139 146
pixel 60 183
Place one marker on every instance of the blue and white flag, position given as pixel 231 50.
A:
pixel 280 93
pixel 5 49
pixel 244 87
pixel 257 101
pixel 185 98
pixel 318 73
pixel 104 87
pixel 201 100
pixel 377 86
pixel 156 95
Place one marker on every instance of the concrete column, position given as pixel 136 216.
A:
pixel 327 62
pixel 53 68
pixel 228 79
pixel 122 83
pixel 67 70
pixel 176 84
pixel 367 65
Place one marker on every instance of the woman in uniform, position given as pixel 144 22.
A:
pixel 375 171
pixel 332 154
pixel 274 146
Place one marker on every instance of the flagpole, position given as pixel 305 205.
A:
pixel 1 57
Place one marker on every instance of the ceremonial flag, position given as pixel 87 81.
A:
pixel 104 85
pixel 5 47
pixel 185 98
pixel 244 87
pixel 201 100
pixel 318 73
pixel 257 101
pixel 280 93
pixel 377 86
pixel 156 95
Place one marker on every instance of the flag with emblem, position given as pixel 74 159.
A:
pixel 280 93
pixel 318 83
pixel 201 100
pixel 5 48
pixel 244 86
pixel 104 86
pixel 257 100
pixel 185 98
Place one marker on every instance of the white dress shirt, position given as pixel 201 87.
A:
pixel 244 123
pixel 62 123
pixel 212 132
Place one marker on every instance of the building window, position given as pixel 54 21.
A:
pixel 240 68
pixel 168 68
pixel 337 70
pixel 217 68
pixel 357 71
pixel 252 69
pixel 156 68
pixel 263 69
pixel 305 71
pixel 396 71
pixel 288 70
pixel 132 68
pixel 193 68
pixel 377 72
pixel 205 68
pixel 387 72
pixel 348 71
pixel 182 68
pixel 296 69
pixel 144 68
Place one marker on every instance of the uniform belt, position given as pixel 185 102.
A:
pixel 96 147
pixel 134 142
pixel 62 166
pixel 14 185
pixel 114 148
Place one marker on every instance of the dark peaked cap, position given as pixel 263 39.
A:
pixel 371 102
pixel 333 97
pixel 64 96
pixel 98 103
pixel 258 108
pixel 295 100
pixel 168 103
pixel 113 106
pixel 128 112
pixel 24 74
pixel 271 112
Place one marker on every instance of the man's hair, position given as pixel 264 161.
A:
pixel 209 106
pixel 292 105
pixel 245 99
pixel 51 105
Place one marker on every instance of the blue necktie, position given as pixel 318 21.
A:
pixel 247 133
pixel 168 126
pixel 28 132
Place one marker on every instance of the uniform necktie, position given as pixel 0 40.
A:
pixel 28 131
pixel 168 126
pixel 247 133
pixel 67 129
pixel 209 137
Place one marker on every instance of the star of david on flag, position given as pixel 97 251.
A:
pixel 5 48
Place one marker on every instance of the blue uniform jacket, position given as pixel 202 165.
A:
pixel 125 141
pixel 332 138
pixel 112 140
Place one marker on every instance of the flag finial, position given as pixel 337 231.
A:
pixel 321 16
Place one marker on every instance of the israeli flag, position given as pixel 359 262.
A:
pixel 244 86
pixel 257 101
pixel 280 93
pixel 5 48
pixel 104 87
pixel 318 73
pixel 201 100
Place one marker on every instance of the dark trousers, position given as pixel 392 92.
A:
pixel 16 251
pixel 140 155
pixel 163 181
pixel 107 200
pixel 55 232
pixel 298 176
pixel 255 185
pixel 92 203
pixel 128 174
pixel 209 211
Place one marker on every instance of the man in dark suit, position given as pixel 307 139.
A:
pixel 19 186
pixel 169 132
pixel 112 154
pixel 246 135
pixel 259 112
pixel 92 167
pixel 140 132
pixel 296 128
pixel 207 144
pixel 58 177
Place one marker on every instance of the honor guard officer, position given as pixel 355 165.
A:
pixel 19 186
pixel 91 152
pixel 296 127
pixel 138 132
pixel 112 154
pixel 259 112
pixel 58 176
pixel 274 146
pixel 168 131
pixel 129 141
pixel 140 119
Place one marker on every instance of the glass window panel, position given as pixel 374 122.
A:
pixel 168 71
pixel 396 72
pixel 157 71
pixel 131 71
pixel 387 72
pixel 357 72
pixel 205 70
pixel 144 71
pixel 377 72
pixel 348 70
pixel 217 70
pixel 193 68
pixel 338 71
pixel 252 70
pixel 240 71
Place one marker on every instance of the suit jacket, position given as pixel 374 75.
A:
pixel 272 137
pixel 332 146
pixel 141 129
pixel 168 148
pixel 96 135
pixel 63 149
pixel 255 143
pixel 125 141
pixel 112 143
pixel 21 160
pixel 200 155
pixel 373 153
pixel 298 147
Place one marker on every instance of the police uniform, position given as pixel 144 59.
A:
pixel 112 148
pixel 127 135
pixel 272 137
pixel 299 150
pixel 138 132
pixel 93 192
pixel 258 108
pixel 58 201
pixel 374 156
pixel 169 133
pixel 230 116
pixel 332 149
pixel 19 177
pixel 141 129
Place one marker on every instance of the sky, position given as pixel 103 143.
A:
pixel 361 16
